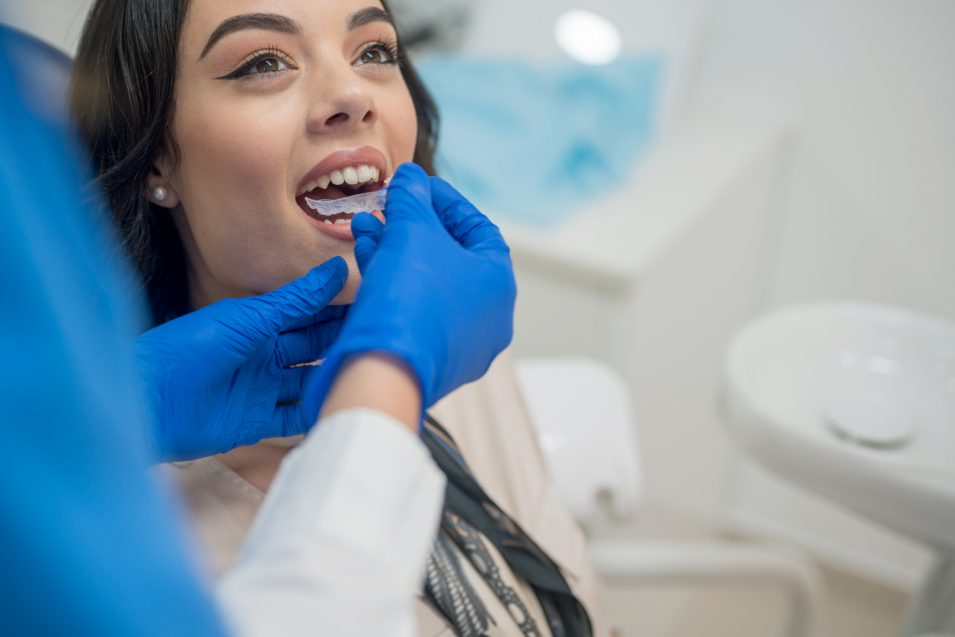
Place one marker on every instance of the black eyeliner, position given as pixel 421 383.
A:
pixel 244 68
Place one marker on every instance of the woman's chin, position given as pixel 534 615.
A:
pixel 350 291
pixel 283 443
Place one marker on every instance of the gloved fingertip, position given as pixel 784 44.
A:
pixel 409 195
pixel 290 421
pixel 412 178
pixel 364 224
pixel 302 299
pixel 365 248
pixel 339 263
pixel 335 270
pixel 335 265
pixel 409 171
pixel 445 196
pixel 438 182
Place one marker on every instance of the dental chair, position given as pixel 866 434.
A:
pixel 596 467
pixel 580 409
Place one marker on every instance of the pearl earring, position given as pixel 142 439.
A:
pixel 160 193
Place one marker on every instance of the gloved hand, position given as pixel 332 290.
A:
pixel 437 292
pixel 220 377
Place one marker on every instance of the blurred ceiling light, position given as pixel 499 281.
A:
pixel 588 37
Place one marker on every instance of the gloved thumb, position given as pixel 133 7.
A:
pixel 463 221
pixel 409 196
pixel 295 305
pixel 367 231
pixel 365 249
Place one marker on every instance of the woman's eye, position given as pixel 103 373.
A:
pixel 266 63
pixel 380 53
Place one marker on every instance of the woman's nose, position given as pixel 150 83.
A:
pixel 349 107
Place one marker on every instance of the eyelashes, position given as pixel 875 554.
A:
pixel 268 62
pixel 272 61
pixel 389 49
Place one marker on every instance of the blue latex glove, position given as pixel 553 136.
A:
pixel 437 291
pixel 220 377
pixel 89 542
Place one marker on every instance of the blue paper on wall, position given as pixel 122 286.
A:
pixel 535 141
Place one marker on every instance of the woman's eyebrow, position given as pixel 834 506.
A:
pixel 368 15
pixel 264 21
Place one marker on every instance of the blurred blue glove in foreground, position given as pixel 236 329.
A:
pixel 437 291
pixel 219 378
pixel 90 544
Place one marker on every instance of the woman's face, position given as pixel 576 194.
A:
pixel 274 98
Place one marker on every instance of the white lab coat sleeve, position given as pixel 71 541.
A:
pixel 340 543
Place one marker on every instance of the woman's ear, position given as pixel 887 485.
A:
pixel 161 190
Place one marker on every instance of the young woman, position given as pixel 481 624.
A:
pixel 210 125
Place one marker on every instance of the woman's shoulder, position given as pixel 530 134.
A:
pixel 491 426
pixel 221 508
pixel 494 433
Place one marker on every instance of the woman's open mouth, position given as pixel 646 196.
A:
pixel 338 184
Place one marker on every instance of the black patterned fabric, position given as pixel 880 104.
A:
pixel 471 544
pixel 450 591
pixel 470 517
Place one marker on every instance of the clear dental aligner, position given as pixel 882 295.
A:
pixel 362 202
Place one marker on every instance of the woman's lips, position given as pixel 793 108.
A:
pixel 338 225
pixel 366 155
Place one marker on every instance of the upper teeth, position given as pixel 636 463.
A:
pixel 352 175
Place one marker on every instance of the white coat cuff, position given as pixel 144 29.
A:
pixel 340 544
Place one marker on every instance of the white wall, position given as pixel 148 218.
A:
pixel 871 211
pixel 58 22
pixel 525 28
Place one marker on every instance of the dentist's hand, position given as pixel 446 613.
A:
pixel 437 291
pixel 220 377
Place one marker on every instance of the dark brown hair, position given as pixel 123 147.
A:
pixel 121 97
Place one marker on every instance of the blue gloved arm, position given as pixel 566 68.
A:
pixel 88 543
pixel 223 376
pixel 437 292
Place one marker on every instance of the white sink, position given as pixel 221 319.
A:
pixel 856 402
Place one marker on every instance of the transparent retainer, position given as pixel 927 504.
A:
pixel 362 202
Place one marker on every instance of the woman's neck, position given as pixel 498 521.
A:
pixel 256 464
